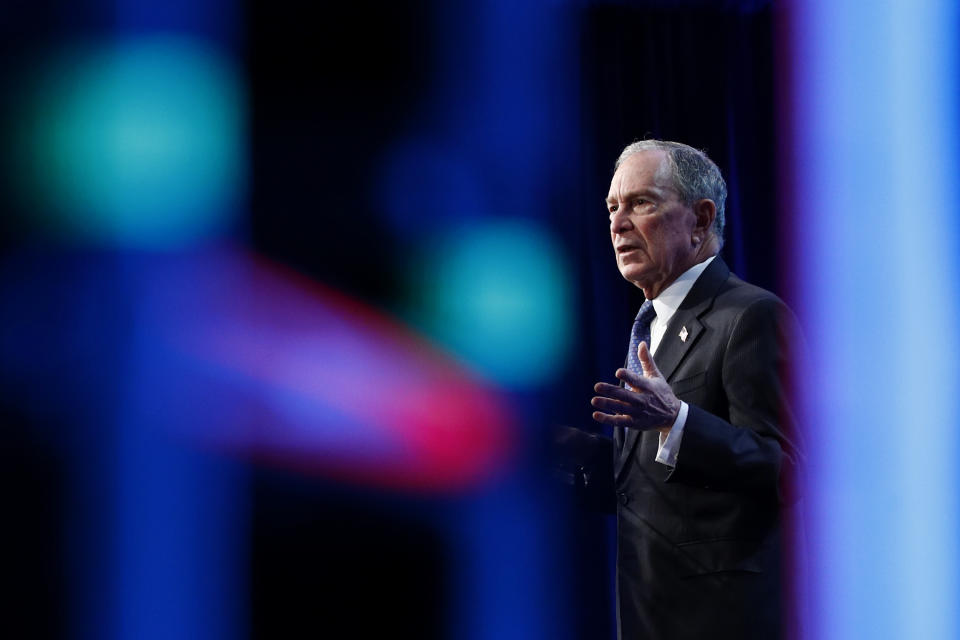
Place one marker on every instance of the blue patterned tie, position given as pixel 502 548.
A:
pixel 639 333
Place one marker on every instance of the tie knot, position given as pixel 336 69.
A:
pixel 646 314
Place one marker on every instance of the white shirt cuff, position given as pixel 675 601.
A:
pixel 670 444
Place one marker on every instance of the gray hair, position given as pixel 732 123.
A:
pixel 695 176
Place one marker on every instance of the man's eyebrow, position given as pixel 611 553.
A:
pixel 630 195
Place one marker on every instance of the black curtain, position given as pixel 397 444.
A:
pixel 703 75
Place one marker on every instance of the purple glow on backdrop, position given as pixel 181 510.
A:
pixel 341 388
pixel 228 351
pixel 869 183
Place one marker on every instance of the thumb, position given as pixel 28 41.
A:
pixel 646 361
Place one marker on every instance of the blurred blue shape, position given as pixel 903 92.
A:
pixel 135 143
pixel 163 371
pixel 876 155
pixel 222 350
pixel 498 295
pixel 426 184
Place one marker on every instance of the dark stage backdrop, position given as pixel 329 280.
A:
pixel 443 163
pixel 332 90
pixel 703 75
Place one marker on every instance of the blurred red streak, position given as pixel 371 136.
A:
pixel 443 429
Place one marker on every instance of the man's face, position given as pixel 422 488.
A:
pixel 651 228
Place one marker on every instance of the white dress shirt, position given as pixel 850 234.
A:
pixel 666 304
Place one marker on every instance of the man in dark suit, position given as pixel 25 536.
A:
pixel 704 439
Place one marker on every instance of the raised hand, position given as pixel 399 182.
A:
pixel 647 402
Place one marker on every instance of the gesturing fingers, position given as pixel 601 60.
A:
pixel 648 403
pixel 619 406
pixel 650 369
pixel 616 420
pixel 635 383
pixel 617 393
pixel 635 380
pixel 611 406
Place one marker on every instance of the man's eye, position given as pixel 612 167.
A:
pixel 612 208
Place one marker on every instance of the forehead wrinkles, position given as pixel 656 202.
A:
pixel 636 174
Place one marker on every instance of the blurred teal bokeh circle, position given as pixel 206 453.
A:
pixel 498 295
pixel 138 142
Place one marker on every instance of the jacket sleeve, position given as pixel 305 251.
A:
pixel 758 450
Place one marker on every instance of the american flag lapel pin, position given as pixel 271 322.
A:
pixel 683 334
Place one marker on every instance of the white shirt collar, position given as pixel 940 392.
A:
pixel 670 299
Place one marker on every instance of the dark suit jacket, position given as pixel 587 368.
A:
pixel 699 545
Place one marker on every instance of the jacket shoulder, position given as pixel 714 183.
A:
pixel 736 296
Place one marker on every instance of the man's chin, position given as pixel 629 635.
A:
pixel 633 274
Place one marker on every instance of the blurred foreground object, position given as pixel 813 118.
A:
pixel 137 142
pixel 498 295
pixel 227 351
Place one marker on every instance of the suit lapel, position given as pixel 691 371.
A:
pixel 672 348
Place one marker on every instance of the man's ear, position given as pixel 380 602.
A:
pixel 706 212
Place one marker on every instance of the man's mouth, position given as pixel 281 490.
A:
pixel 626 248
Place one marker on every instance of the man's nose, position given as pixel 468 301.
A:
pixel 620 222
